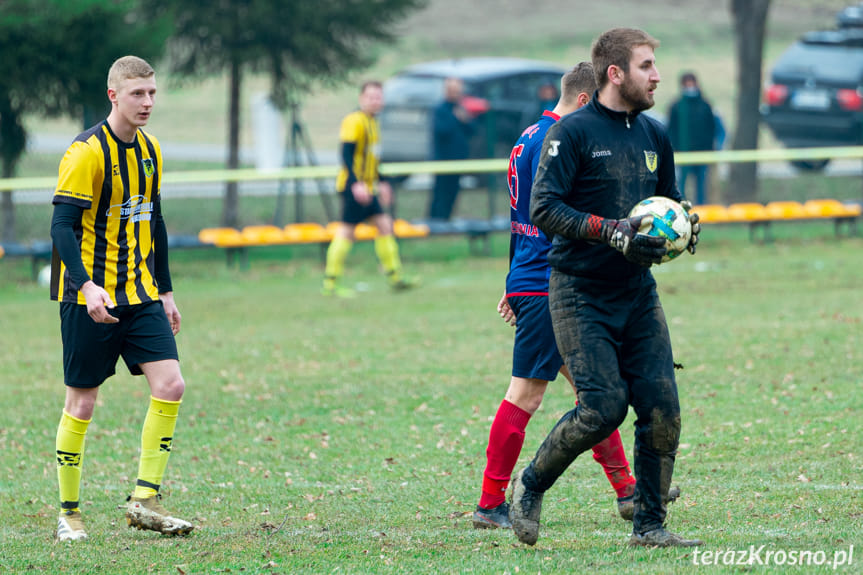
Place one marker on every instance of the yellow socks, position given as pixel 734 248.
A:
pixel 388 253
pixel 337 253
pixel 156 441
pixel 70 453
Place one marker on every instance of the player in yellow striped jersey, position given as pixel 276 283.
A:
pixel 111 276
pixel 365 195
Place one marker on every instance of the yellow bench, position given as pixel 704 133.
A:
pixel 237 241
pixel 760 216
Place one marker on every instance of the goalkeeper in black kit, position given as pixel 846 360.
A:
pixel 596 164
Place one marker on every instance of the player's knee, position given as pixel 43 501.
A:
pixel 526 393
pixel 602 418
pixel 81 407
pixel 171 388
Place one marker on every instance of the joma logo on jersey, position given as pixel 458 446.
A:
pixel 149 167
pixel 651 160
pixel 553 146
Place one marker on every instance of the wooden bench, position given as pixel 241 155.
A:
pixel 760 217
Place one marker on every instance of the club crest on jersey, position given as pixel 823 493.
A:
pixel 150 167
pixel 651 160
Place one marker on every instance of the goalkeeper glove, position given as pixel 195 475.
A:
pixel 696 227
pixel 638 248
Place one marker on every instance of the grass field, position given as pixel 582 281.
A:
pixel 321 436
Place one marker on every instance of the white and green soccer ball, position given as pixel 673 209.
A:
pixel 670 221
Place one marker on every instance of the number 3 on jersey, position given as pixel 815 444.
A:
pixel 512 176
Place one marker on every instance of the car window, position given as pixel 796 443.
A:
pixel 408 90
pixel 828 63
pixel 526 86
pixel 520 87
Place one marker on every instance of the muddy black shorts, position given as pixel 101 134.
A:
pixel 91 350
pixel 354 212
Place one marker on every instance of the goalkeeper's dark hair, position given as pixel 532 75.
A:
pixel 579 79
pixel 614 48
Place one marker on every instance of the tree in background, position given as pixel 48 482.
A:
pixel 296 42
pixel 750 22
pixel 56 56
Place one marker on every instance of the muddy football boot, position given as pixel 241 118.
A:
pixel 524 511
pixel 70 526
pixel 661 538
pixel 149 514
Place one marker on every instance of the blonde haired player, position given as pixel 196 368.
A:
pixel 110 274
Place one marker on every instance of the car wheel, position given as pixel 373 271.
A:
pixel 810 165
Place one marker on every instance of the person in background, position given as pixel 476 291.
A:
pixel 548 98
pixel 365 195
pixel 692 128
pixel 452 128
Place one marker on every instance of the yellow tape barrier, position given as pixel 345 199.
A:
pixel 452 167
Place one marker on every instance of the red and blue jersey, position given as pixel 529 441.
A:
pixel 528 248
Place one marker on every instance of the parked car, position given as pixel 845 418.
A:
pixel 815 94
pixel 502 91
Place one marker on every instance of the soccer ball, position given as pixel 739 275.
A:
pixel 44 278
pixel 670 221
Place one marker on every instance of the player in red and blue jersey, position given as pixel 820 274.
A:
pixel 536 360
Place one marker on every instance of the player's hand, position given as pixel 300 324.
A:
pixel 461 114
pixel 385 194
pixel 361 193
pixel 171 311
pixel 98 303
pixel 638 248
pixel 696 226
pixel 505 311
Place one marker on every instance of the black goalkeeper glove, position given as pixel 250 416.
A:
pixel 696 227
pixel 638 248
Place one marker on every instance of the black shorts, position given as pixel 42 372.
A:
pixel 534 354
pixel 354 212
pixel 91 350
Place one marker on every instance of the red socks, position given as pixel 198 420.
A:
pixel 504 446
pixel 610 455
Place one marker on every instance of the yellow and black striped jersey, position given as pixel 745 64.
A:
pixel 117 185
pixel 361 129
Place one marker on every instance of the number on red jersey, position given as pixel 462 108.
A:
pixel 512 176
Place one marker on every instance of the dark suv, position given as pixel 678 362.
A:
pixel 815 95
pixel 508 87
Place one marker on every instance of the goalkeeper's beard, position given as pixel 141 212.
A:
pixel 634 98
